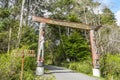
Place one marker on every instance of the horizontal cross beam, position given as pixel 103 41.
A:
pixel 63 23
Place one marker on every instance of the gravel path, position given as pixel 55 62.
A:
pixel 66 74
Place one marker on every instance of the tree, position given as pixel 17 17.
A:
pixel 9 17
pixel 76 47
pixel 21 24
pixel 107 17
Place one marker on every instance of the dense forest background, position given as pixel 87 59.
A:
pixel 64 46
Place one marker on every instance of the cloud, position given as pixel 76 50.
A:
pixel 117 16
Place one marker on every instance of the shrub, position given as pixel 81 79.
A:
pixel 76 47
pixel 82 66
pixel 110 66
pixel 10 67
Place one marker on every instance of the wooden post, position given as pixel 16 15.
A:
pixel 40 56
pixel 22 66
pixel 95 55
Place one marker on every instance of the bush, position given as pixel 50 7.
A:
pixel 110 66
pixel 10 67
pixel 76 47
pixel 83 66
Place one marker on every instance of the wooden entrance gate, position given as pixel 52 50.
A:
pixel 90 28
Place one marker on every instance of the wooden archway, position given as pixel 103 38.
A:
pixel 92 29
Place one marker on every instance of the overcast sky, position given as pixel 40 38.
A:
pixel 114 6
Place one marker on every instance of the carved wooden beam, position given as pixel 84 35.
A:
pixel 63 23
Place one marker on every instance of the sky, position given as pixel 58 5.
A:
pixel 114 6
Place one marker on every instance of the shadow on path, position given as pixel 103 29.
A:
pixel 55 69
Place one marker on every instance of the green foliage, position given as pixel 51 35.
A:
pixel 76 47
pixel 59 55
pixel 110 66
pixel 11 66
pixel 29 38
pixel 107 17
pixel 3 42
pixel 4 12
pixel 5 24
pixel 30 63
pixel 64 2
pixel 83 66
pixel 73 17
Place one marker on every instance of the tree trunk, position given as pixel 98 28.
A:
pixel 20 25
pixel 86 22
pixel 10 31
